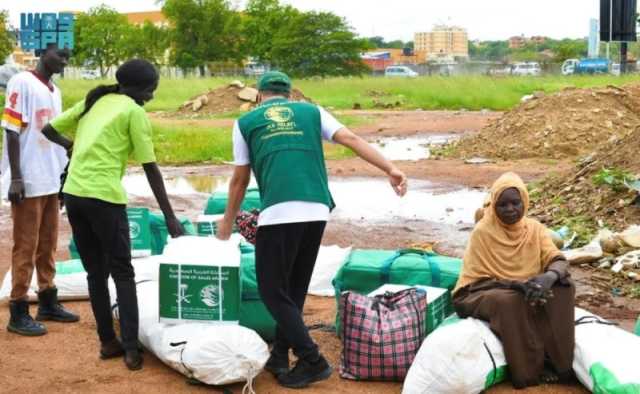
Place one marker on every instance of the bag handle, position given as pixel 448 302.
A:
pixel 385 271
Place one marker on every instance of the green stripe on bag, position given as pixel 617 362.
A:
pixel 605 382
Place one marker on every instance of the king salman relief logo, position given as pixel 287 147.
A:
pixel 279 114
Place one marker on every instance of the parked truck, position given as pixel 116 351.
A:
pixel 585 66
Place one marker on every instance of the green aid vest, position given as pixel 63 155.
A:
pixel 285 149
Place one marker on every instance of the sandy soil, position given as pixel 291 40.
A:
pixel 66 360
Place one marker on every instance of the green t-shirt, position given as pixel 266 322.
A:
pixel 115 129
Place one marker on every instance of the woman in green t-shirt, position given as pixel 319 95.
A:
pixel 110 126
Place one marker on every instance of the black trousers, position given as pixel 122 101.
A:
pixel 285 257
pixel 101 232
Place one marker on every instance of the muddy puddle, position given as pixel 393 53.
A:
pixel 374 200
pixel 137 185
pixel 370 199
pixel 411 148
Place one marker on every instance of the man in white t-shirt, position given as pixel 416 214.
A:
pixel 30 177
pixel 281 142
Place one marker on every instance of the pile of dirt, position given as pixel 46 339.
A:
pixel 231 98
pixel 579 196
pixel 572 122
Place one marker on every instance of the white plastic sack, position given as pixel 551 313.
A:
pixel 329 261
pixel 71 279
pixel 586 254
pixel 192 249
pixel 212 354
pixel 605 356
pixel 462 356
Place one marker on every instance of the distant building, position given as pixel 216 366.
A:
pixel 443 41
pixel 538 39
pixel 517 42
pixel 155 17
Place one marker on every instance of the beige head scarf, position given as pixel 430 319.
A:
pixel 500 251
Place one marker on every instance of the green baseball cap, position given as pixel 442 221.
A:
pixel 275 81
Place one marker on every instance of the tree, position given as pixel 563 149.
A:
pixel 489 50
pixel 318 43
pixel 204 31
pixel 262 22
pixel 377 42
pixel 148 42
pixel 570 49
pixel 101 36
pixel 6 37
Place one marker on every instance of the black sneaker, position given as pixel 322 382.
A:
pixel 133 359
pixel 306 372
pixel 111 349
pixel 277 364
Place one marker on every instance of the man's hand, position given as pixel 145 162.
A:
pixel 224 230
pixel 398 181
pixel 538 288
pixel 174 227
pixel 16 191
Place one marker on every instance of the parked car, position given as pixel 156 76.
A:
pixel 89 74
pixel 254 69
pixel 615 69
pixel 399 71
pixel 526 68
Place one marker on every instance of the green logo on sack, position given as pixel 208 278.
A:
pixel 211 295
pixel 134 230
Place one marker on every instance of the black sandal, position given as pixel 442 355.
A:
pixel 549 376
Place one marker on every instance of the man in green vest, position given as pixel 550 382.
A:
pixel 281 142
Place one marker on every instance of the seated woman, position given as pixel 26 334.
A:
pixel 516 279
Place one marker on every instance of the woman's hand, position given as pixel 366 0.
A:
pixel 538 288
pixel 174 227
pixel 224 230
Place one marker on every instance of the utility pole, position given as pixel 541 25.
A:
pixel 623 57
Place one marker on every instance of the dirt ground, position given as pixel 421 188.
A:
pixel 66 360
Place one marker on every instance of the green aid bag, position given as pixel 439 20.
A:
pixel 199 293
pixel 139 231
pixel 253 312
pixel 368 269
pixel 160 233
pixel 217 203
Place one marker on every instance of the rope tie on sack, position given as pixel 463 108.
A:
pixel 251 374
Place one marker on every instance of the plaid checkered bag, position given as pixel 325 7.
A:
pixel 247 223
pixel 381 335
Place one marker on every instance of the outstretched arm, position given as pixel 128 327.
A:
pixel 362 148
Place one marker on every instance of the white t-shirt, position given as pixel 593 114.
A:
pixel 30 105
pixel 290 211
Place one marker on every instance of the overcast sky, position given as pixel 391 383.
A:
pixel 399 19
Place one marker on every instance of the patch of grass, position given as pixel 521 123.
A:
pixel 170 95
pixel 181 145
pixel 434 93
pixel 616 178
pixel 354 120
pixel 177 145
pixel 337 152
pixel 583 226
